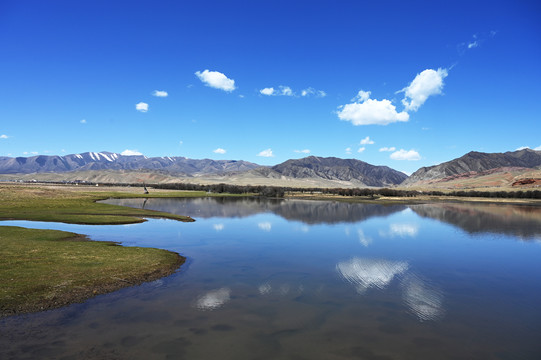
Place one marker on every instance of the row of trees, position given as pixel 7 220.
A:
pixel 277 191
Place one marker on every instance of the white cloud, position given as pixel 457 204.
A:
pixel 216 80
pixel 367 141
pixel 473 44
pixel 266 153
pixel 30 153
pixel 218 227
pixel 429 82
pixel 281 91
pixel 142 107
pixel 267 91
pixel 361 149
pixel 313 92
pixel 366 111
pixel 392 148
pixel 404 229
pixel 405 155
pixel 83 121
pixel 522 148
pixel 4 136
pixel 181 142
pixel 160 93
pixel 348 150
pixel 286 91
pixel 220 151
pixel 128 152
pixel 362 96
pixel 538 148
pixel 305 151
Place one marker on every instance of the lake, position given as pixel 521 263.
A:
pixel 299 279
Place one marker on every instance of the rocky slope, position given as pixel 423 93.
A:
pixel 475 164
pixel 332 168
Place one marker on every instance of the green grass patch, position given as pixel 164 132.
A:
pixel 43 269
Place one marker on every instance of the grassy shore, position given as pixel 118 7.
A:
pixel 44 269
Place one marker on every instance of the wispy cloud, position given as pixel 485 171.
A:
pixel 128 152
pixel 83 121
pixel 348 150
pixel 160 93
pixel 216 79
pixel 142 107
pixel 220 151
pixel 266 153
pixel 385 148
pixel 367 141
pixel 427 83
pixel 305 151
pixel 361 149
pixel 405 155
pixel 4 136
pixel 313 92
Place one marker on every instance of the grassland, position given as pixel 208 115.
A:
pixel 43 269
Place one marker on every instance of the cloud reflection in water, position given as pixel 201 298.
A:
pixel 366 273
pixel 424 300
pixel 213 299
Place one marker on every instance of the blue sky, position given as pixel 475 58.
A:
pixel 398 83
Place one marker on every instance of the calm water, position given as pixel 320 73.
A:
pixel 310 280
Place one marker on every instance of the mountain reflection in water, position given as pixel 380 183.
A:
pixel 306 211
pixel 522 221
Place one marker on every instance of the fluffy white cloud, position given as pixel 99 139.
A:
pixel 392 148
pixel 313 92
pixel 220 151
pixel 366 111
pixel 218 227
pixel 361 149
pixel 305 151
pixel 405 155
pixel 429 82
pixel 216 79
pixel 266 153
pixel 128 152
pixel 280 91
pixel 4 136
pixel 367 141
pixel 160 93
pixel 538 148
pixel 267 91
pixel 142 107
pixel 348 150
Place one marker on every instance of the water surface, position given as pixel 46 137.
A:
pixel 297 279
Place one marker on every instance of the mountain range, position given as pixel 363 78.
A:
pixel 476 164
pixel 475 168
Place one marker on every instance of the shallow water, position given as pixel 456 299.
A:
pixel 309 280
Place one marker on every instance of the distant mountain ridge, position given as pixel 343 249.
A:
pixel 475 163
pixel 112 161
pixel 332 168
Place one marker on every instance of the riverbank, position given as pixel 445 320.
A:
pixel 45 269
